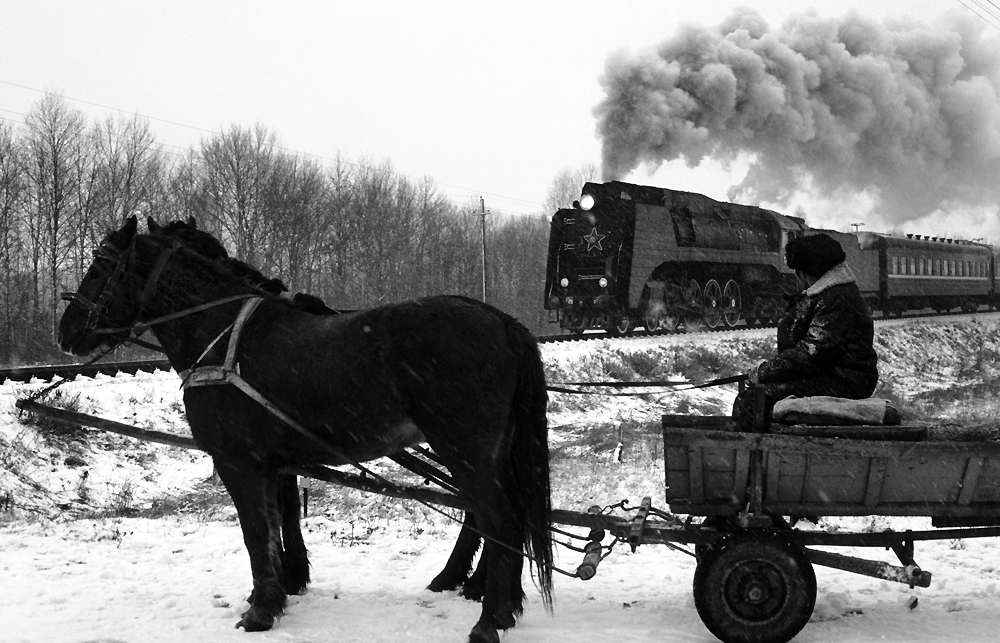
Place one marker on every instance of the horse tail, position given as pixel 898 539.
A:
pixel 530 458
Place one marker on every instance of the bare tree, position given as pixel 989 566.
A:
pixel 55 142
pixel 298 196
pixel 237 169
pixel 565 187
pixel 130 169
pixel 13 193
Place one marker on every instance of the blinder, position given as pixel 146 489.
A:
pixel 97 311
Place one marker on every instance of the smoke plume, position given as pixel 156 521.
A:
pixel 903 111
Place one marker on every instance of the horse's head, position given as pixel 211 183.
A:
pixel 108 302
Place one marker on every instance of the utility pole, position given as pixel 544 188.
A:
pixel 483 213
pixel 855 225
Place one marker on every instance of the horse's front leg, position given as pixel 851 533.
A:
pixel 255 497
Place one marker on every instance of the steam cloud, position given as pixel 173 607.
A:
pixel 904 111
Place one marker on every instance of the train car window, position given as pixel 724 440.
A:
pixel 913 266
pixel 923 266
pixel 894 265
pixel 936 267
pixel 951 267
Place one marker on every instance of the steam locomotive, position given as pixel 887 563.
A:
pixel 628 255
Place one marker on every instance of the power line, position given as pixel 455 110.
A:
pixel 992 14
pixel 471 192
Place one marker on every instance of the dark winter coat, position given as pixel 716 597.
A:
pixel 827 331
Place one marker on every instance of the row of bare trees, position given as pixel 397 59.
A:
pixel 356 233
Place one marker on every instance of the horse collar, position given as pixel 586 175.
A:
pixel 218 375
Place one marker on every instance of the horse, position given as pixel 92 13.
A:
pixel 300 389
pixel 457 572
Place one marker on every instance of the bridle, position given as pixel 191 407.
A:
pixel 125 260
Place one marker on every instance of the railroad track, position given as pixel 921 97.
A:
pixel 72 371
pixel 704 330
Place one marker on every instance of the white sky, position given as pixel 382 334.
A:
pixel 486 98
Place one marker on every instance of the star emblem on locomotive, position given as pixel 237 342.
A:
pixel 594 240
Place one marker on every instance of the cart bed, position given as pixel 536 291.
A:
pixel 710 472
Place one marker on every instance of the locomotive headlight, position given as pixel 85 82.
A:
pixel 586 202
pixel 564 282
pixel 603 282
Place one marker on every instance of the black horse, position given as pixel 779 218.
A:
pixel 457 572
pixel 460 375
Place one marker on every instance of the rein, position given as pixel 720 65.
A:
pixel 560 387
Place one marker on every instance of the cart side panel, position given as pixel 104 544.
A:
pixel 988 487
pixel 702 474
pixel 810 478
pixel 930 478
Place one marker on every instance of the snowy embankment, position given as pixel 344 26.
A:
pixel 76 566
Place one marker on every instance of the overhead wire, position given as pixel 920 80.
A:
pixel 990 8
pixel 472 194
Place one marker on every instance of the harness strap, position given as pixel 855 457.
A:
pixel 228 373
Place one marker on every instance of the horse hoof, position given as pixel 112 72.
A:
pixel 472 592
pixel 482 634
pixel 441 585
pixel 505 620
pixel 255 622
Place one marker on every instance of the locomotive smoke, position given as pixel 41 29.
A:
pixel 907 113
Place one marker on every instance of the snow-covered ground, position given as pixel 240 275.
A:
pixel 184 578
pixel 181 581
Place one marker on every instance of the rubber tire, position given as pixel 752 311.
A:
pixel 755 564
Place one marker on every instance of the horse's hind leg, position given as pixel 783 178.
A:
pixel 456 570
pixel 503 600
pixel 295 558
pixel 500 609
pixel 475 587
pixel 255 498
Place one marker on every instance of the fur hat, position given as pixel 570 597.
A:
pixel 814 254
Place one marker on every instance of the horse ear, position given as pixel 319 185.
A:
pixel 154 227
pixel 131 225
pixel 191 222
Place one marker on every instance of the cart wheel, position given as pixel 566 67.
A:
pixel 757 588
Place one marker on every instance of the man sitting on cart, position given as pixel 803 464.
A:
pixel 825 339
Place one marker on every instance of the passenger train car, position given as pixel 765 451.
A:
pixel 628 255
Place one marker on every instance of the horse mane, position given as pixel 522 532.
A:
pixel 209 247
pixel 206 245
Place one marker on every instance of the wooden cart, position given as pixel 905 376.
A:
pixel 754 580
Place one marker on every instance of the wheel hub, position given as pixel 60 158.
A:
pixel 756 591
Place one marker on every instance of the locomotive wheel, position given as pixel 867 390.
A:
pixel 756 588
pixel 623 324
pixel 693 301
pixel 733 303
pixel 713 303
pixel 670 321
pixel 651 321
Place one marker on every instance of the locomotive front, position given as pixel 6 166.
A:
pixel 628 255
pixel 589 261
